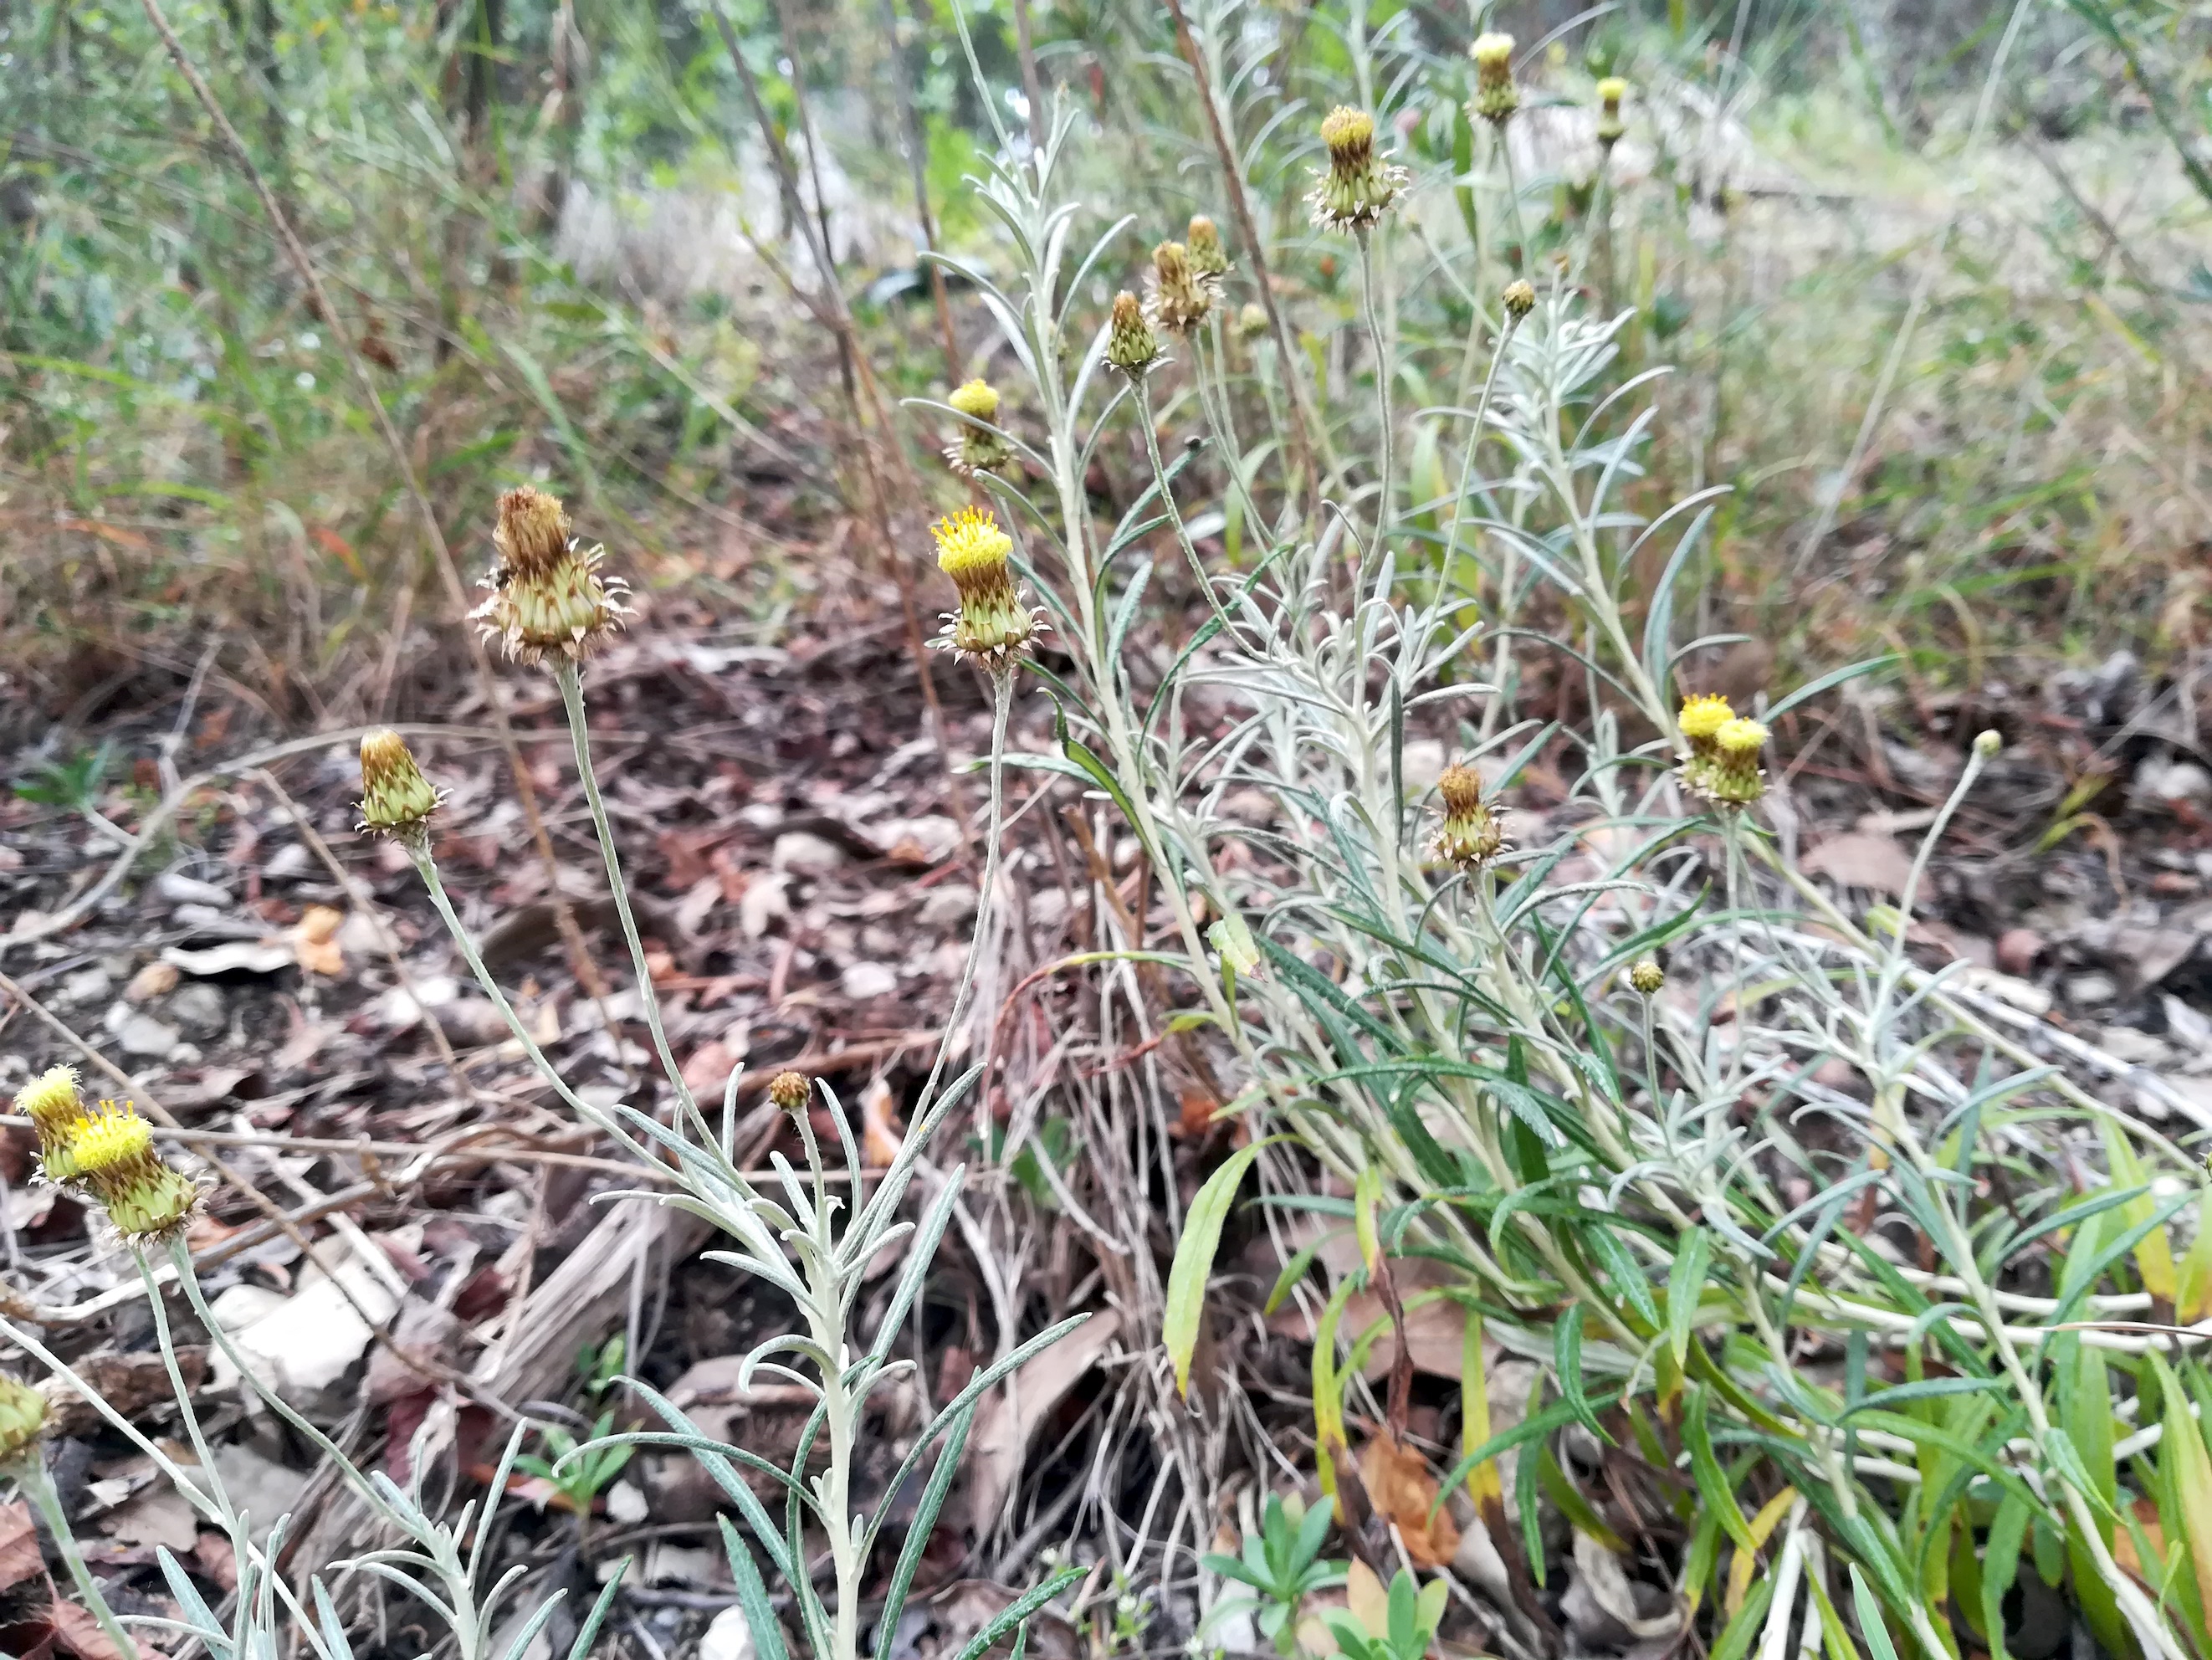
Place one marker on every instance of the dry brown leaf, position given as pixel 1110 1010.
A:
pixel 1011 1414
pixel 314 943
pixel 155 1516
pixel 19 1546
pixel 881 1133
pixel 1862 858
pixel 1368 1598
pixel 1402 1490
pixel 76 1631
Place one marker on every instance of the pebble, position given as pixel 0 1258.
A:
pixel 728 1637
pixel 89 985
pixel 179 888
pixel 201 1011
pixel 2017 950
pixel 154 980
pixel 953 902
pixel 2088 991
pixel 2173 780
pixel 142 1036
pixel 863 981
pixel 802 853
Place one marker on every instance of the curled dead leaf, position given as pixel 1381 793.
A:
pixel 1402 1491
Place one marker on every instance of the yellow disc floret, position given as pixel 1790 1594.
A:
pixel 106 1140
pixel 52 1105
pixel 970 546
pixel 992 625
pixel 977 399
pixel 1702 716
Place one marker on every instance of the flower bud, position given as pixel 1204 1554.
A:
pixel 145 1198
pixel 395 798
pixel 1647 976
pixel 1610 91
pixel 1357 188
pixel 1471 836
pixel 547 597
pixel 977 450
pixel 790 1091
pixel 1251 321
pixel 1207 257
pixel 992 625
pixel 1132 347
pixel 22 1416
pixel 1174 297
pixel 52 1105
pixel 1987 744
pixel 1496 97
pixel 1519 299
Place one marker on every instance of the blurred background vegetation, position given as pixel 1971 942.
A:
pixel 1944 331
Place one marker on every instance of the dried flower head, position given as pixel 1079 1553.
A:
pixel 1357 188
pixel 1175 298
pixel 547 598
pixel 1252 321
pixel 977 449
pixel 22 1416
pixel 1519 299
pixel 1610 91
pixel 1131 347
pixel 1647 976
pixel 1207 256
pixel 395 798
pixel 1471 834
pixel 790 1091
pixel 1496 97
pixel 992 625
pixel 145 1197
pixel 52 1105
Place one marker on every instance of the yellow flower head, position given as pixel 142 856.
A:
pixel 1740 739
pixel 1611 91
pixel 790 1091
pixel 1610 127
pixel 1496 97
pixel 1701 720
pixel 1729 773
pixel 978 399
pixel 51 1102
pixel 1356 189
pixel 145 1198
pixel 106 1140
pixel 992 625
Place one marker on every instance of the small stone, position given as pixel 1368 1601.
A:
pixel 2089 991
pixel 728 1637
pixel 2137 1048
pixel 178 888
pixel 2017 950
pixel 954 902
pixel 89 985
pixel 144 1036
pixel 2173 780
pixel 288 864
pixel 865 981
pixel 154 980
pixel 801 853
pixel 201 1010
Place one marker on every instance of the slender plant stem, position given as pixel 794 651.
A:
pixel 572 700
pixel 32 1477
pixel 1513 195
pixel 1167 499
pixel 1473 443
pixel 1383 370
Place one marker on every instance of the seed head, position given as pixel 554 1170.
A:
pixel 52 1105
pixel 976 449
pixel 1131 347
pixel 992 625
pixel 1207 257
pixel 547 597
pixel 1519 299
pixel 395 798
pixel 1610 127
pixel 533 533
pixel 1647 976
pixel 1471 834
pixel 1356 189
pixel 22 1416
pixel 790 1091
pixel 1176 297
pixel 1496 97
